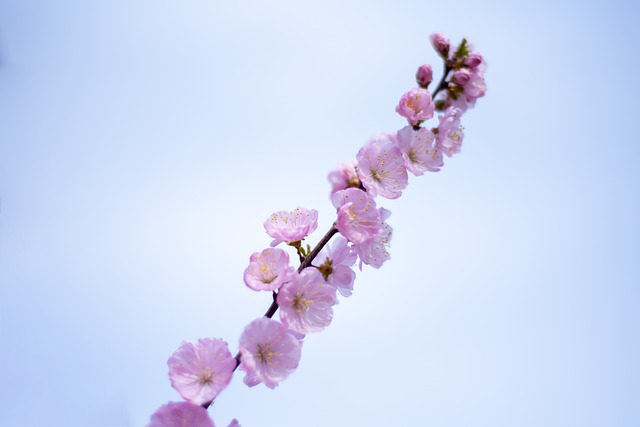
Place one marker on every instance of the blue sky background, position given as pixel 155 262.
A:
pixel 144 143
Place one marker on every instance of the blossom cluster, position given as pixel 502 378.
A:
pixel 270 349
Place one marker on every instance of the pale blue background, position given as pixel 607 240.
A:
pixel 144 143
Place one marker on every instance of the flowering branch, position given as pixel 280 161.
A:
pixel 306 262
pixel 270 350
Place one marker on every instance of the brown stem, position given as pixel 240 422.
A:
pixel 321 244
pixel 442 84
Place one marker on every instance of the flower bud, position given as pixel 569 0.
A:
pixel 424 75
pixel 462 76
pixel 440 43
pixel 473 60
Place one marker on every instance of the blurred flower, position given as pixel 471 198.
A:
pixel 473 60
pixel 475 87
pixel 440 44
pixel 450 134
pixel 344 177
pixel 462 76
pixel 181 414
pixel 373 251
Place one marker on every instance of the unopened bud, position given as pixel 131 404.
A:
pixel 462 76
pixel 473 60
pixel 440 43
pixel 424 75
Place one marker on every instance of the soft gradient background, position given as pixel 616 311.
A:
pixel 144 143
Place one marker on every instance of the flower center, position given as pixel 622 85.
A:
pixel 326 268
pixel 264 353
pixel 207 377
pixel 300 303
pixel 353 182
pixel 412 156
pixel 374 175
pixel 456 137
pixel 412 103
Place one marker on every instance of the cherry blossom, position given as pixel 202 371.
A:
pixel 358 218
pixel 305 302
pixel 180 414
pixel 345 176
pixel 475 86
pixel 450 134
pixel 381 168
pixel 335 262
pixel 373 251
pixel 416 106
pixel 200 371
pixel 268 270
pixel 269 352
pixel 291 226
pixel 419 150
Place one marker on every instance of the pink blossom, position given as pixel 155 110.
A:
pixel 305 302
pixel 234 423
pixel 269 352
pixel 460 103
pixel 419 150
pixel 181 414
pixel 381 168
pixel 373 251
pixel 450 133
pixel 462 76
pixel 336 262
pixel 200 371
pixel 291 226
pixel 267 270
pixel 475 87
pixel 300 337
pixel 473 60
pixel 344 177
pixel 424 75
pixel 416 106
pixel 440 43
pixel 358 218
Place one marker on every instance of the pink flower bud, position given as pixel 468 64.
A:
pixel 473 60
pixel 462 76
pixel 424 75
pixel 440 43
